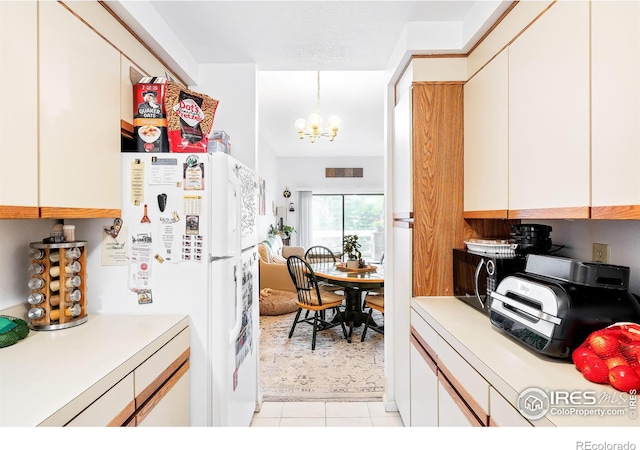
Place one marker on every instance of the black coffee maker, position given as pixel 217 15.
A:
pixel 531 238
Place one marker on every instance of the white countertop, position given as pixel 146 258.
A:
pixel 511 367
pixel 50 376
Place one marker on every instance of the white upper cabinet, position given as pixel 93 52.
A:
pixel 19 114
pixel 79 114
pixel 549 119
pixel 615 47
pixel 486 141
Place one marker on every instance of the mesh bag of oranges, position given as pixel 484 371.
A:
pixel 611 356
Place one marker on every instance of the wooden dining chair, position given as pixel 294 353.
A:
pixel 318 254
pixel 312 299
pixel 322 254
pixel 374 299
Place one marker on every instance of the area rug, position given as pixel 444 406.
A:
pixel 335 371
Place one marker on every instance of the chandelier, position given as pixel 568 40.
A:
pixel 312 127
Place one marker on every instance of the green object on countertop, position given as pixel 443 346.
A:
pixel 20 330
pixel 6 325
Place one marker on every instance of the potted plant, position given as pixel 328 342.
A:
pixel 351 248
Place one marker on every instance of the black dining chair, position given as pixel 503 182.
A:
pixel 322 254
pixel 311 298
pixel 318 254
pixel 374 299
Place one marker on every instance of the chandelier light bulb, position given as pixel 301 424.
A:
pixel 333 123
pixel 315 121
pixel 301 124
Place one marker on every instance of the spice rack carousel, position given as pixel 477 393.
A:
pixel 58 287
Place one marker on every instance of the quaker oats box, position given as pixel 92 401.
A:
pixel 149 115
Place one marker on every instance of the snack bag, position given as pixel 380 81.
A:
pixel 611 356
pixel 189 119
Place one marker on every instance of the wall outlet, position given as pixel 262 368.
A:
pixel 601 253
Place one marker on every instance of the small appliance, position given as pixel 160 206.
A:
pixel 476 274
pixel 531 238
pixel 557 302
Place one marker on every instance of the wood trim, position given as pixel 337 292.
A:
pixel 157 397
pixel 126 129
pixel 402 224
pixel 49 212
pixel 464 407
pixel 577 212
pixel 493 27
pixel 425 355
pixel 19 212
pixel 154 54
pixel 623 212
pixel 475 407
pixel 430 351
pixel 124 416
pixel 437 83
pixel 162 378
pixel 493 423
pixel 488 214
pixel 511 41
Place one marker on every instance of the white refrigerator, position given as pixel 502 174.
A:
pixel 188 244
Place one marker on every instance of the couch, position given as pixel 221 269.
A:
pixel 273 264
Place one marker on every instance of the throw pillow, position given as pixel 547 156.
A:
pixel 279 259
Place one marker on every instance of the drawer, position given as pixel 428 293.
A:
pixel 427 336
pixel 502 413
pixel 465 379
pixel 113 408
pixel 152 373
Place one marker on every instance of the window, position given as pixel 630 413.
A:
pixel 334 216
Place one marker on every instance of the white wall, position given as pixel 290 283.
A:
pixel 578 237
pixel 15 236
pixel 309 174
pixel 234 86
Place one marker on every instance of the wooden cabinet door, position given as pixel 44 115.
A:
pixel 615 109
pixel 79 118
pixel 437 185
pixel 18 116
pixel 549 160
pixel 486 141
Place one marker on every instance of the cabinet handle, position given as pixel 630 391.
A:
pixel 466 410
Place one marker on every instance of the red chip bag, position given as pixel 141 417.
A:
pixel 189 119
pixel 611 355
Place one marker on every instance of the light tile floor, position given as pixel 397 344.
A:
pixel 325 414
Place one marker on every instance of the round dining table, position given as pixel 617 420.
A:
pixel 355 283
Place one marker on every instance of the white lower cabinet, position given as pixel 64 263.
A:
pixel 156 393
pixel 452 409
pixel 503 414
pixel 446 389
pixel 424 386
pixel 112 408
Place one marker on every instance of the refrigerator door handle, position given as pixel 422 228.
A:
pixel 235 330
pixel 233 177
